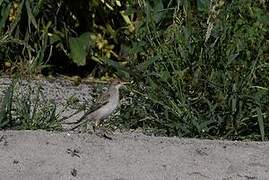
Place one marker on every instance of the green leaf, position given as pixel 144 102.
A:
pixel 30 14
pixel 4 13
pixel 203 5
pixel 54 38
pixel 6 106
pixel 157 9
pixel 260 121
pixel 79 48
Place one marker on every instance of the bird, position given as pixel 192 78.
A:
pixel 105 105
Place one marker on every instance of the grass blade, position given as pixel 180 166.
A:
pixel 261 123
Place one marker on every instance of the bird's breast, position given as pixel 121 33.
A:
pixel 106 110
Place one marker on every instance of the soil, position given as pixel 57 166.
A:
pixel 28 155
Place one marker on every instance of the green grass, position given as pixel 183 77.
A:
pixel 204 74
pixel 27 109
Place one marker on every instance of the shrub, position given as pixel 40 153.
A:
pixel 202 76
pixel 82 31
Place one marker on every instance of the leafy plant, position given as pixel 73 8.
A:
pixel 29 110
pixel 27 35
pixel 79 48
pixel 53 31
pixel 202 75
pixel 6 107
pixel 33 111
pixel 107 23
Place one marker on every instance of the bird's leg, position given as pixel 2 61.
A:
pixel 100 131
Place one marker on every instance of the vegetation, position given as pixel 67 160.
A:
pixel 64 33
pixel 27 108
pixel 200 67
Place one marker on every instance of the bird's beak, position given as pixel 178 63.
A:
pixel 123 83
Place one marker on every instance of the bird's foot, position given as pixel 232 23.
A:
pixel 102 132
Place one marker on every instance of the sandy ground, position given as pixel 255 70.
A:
pixel 27 155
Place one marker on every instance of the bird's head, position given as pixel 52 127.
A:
pixel 117 83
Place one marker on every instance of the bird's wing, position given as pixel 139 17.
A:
pixel 101 101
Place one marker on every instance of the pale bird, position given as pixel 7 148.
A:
pixel 105 105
